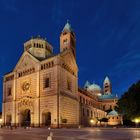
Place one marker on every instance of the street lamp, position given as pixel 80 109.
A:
pixel 0 122
pixel 91 122
pixel 137 122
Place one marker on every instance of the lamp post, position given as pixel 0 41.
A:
pixel 137 122
pixel 91 122
pixel 0 123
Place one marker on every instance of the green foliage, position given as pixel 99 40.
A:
pixel 129 103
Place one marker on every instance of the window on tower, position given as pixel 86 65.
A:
pixel 69 84
pixel 47 82
pixel 65 41
pixel 9 91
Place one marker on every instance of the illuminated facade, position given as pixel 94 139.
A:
pixel 96 102
pixel 42 89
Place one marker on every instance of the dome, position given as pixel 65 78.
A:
pixel 113 113
pixel 93 87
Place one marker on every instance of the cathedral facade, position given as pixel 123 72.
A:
pixel 42 89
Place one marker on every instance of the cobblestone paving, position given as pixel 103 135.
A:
pixel 70 134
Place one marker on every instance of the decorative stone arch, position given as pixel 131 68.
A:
pixel 25 107
pixel 46 117
pixel 8 119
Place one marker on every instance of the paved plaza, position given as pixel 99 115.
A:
pixel 70 134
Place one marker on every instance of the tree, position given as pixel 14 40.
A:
pixel 129 103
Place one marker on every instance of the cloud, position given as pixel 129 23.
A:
pixel 129 59
pixel 57 11
pixel 126 70
pixel 62 10
pixel 127 66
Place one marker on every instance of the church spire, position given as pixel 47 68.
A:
pixel 106 80
pixel 67 27
pixel 67 39
pixel 107 86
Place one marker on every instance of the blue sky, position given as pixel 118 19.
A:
pixel 107 35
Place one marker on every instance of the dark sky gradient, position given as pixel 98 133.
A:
pixel 107 34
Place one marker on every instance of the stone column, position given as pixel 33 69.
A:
pixel 3 104
pixel 37 102
pixel 14 101
pixel 32 118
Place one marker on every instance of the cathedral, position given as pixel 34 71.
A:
pixel 42 89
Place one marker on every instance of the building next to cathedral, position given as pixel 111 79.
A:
pixel 43 88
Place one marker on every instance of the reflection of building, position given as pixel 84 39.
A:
pixel 43 88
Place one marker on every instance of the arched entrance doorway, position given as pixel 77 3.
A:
pixel 46 119
pixel 25 117
pixel 8 119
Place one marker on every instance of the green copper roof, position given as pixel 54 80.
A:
pixel 67 27
pixel 113 113
pixel 87 84
pixel 107 96
pixel 106 80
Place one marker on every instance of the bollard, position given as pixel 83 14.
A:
pixel 51 134
pixel 49 138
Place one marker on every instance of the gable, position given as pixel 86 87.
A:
pixel 69 59
pixel 25 61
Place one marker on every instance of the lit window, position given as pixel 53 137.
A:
pixel 65 42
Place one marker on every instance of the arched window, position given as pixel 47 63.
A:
pixel 9 91
pixel 91 114
pixel 87 112
pixel 69 84
pixel 41 67
pixel 83 112
pixel 80 99
pixel 47 82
